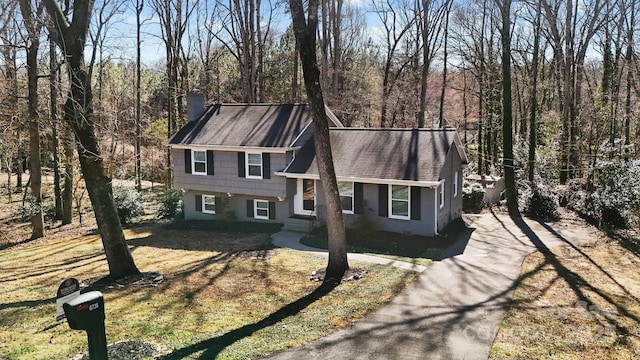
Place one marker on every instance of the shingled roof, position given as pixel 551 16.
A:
pixel 382 154
pixel 249 125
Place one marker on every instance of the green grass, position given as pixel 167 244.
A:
pixel 214 302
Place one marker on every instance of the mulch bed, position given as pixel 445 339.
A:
pixel 349 275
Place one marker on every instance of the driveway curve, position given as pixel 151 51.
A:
pixel 454 308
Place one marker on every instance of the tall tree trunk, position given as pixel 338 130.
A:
pixel 67 193
pixel 138 165
pixel 507 109
pixel 71 38
pixel 305 32
pixel 533 100
pixel 629 60
pixel 35 166
pixel 53 113
pixel 444 66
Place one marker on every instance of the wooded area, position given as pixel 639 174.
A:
pixel 571 66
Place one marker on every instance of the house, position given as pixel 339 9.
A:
pixel 256 162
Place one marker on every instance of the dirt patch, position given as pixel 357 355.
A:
pixel 254 254
pixel 349 275
pixel 127 350
pixel 106 283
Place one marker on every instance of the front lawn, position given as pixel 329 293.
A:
pixel 575 303
pixel 218 294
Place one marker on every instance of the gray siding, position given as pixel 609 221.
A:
pixel 453 205
pixel 237 205
pixel 424 226
pixel 226 179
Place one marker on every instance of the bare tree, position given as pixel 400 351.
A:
pixel 244 31
pixel 305 31
pixel 430 28
pixel 33 25
pixel 70 35
pixel 533 97
pixel 174 16
pixel 571 38
pixel 397 23
pixel 507 109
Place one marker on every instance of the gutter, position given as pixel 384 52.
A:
pixel 427 184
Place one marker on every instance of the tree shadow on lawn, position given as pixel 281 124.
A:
pixel 442 327
pixel 213 346
pixel 578 284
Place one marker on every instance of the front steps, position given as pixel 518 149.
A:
pixel 303 224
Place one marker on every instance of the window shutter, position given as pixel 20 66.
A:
pixel 187 161
pixel 241 160
pixel 272 210
pixel 210 168
pixel 383 200
pixel 250 208
pixel 199 203
pixel 266 166
pixel 415 202
pixel 358 200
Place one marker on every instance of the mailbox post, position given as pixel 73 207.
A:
pixel 86 312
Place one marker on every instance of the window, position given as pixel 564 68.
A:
pixel 399 204
pixel 261 209
pixel 254 165
pixel 441 193
pixel 199 162
pixel 455 184
pixel 345 189
pixel 208 204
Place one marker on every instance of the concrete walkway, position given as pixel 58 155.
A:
pixel 453 310
pixel 288 239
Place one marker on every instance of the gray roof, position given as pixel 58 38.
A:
pixel 251 125
pixel 386 154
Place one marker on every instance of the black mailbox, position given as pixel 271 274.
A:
pixel 86 312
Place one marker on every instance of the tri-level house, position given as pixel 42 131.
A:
pixel 256 162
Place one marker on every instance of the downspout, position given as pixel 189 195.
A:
pixel 435 211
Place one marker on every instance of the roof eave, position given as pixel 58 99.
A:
pixel 277 150
pixel 423 183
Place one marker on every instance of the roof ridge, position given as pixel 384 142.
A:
pixel 394 129
pixel 258 104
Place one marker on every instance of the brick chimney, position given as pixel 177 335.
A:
pixel 195 105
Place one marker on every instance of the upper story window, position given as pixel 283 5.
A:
pixel 345 189
pixel 399 204
pixel 254 165
pixel 199 162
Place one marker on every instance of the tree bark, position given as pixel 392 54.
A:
pixel 35 166
pixel 507 109
pixel 138 165
pixel 533 101
pixel 67 193
pixel 53 111
pixel 305 32
pixel 71 38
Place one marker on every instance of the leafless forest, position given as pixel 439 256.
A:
pixel 75 95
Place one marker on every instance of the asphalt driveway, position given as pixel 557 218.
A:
pixel 453 310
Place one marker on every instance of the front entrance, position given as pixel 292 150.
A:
pixel 305 198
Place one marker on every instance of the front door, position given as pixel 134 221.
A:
pixel 305 198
